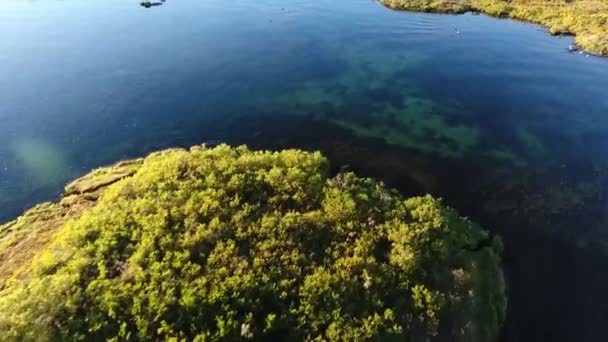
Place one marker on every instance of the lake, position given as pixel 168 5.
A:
pixel 495 116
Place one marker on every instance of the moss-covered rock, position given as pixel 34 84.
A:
pixel 226 244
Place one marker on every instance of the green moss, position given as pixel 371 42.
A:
pixel 586 19
pixel 227 243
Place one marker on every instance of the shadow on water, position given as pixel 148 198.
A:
pixel 551 279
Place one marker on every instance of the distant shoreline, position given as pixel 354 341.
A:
pixel 585 20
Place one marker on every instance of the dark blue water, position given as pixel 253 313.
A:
pixel 493 115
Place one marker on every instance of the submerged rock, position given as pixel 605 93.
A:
pixel 573 48
pixel 148 4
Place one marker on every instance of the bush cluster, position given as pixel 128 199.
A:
pixel 230 244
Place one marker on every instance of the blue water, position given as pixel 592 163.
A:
pixel 493 115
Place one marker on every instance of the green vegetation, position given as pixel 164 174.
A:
pixel 586 19
pixel 226 244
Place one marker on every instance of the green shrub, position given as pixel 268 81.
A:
pixel 228 244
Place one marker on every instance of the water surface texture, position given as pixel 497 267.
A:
pixel 493 115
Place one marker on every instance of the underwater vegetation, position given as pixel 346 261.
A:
pixel 227 243
pixel 370 98
pixel 566 199
pixel 375 96
pixel 587 20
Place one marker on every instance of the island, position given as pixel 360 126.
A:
pixel 226 243
pixel 587 20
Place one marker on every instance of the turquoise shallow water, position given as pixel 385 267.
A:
pixel 493 115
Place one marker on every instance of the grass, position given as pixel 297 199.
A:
pixel 587 20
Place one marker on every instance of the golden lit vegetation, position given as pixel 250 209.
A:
pixel 586 19
pixel 21 239
pixel 230 244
